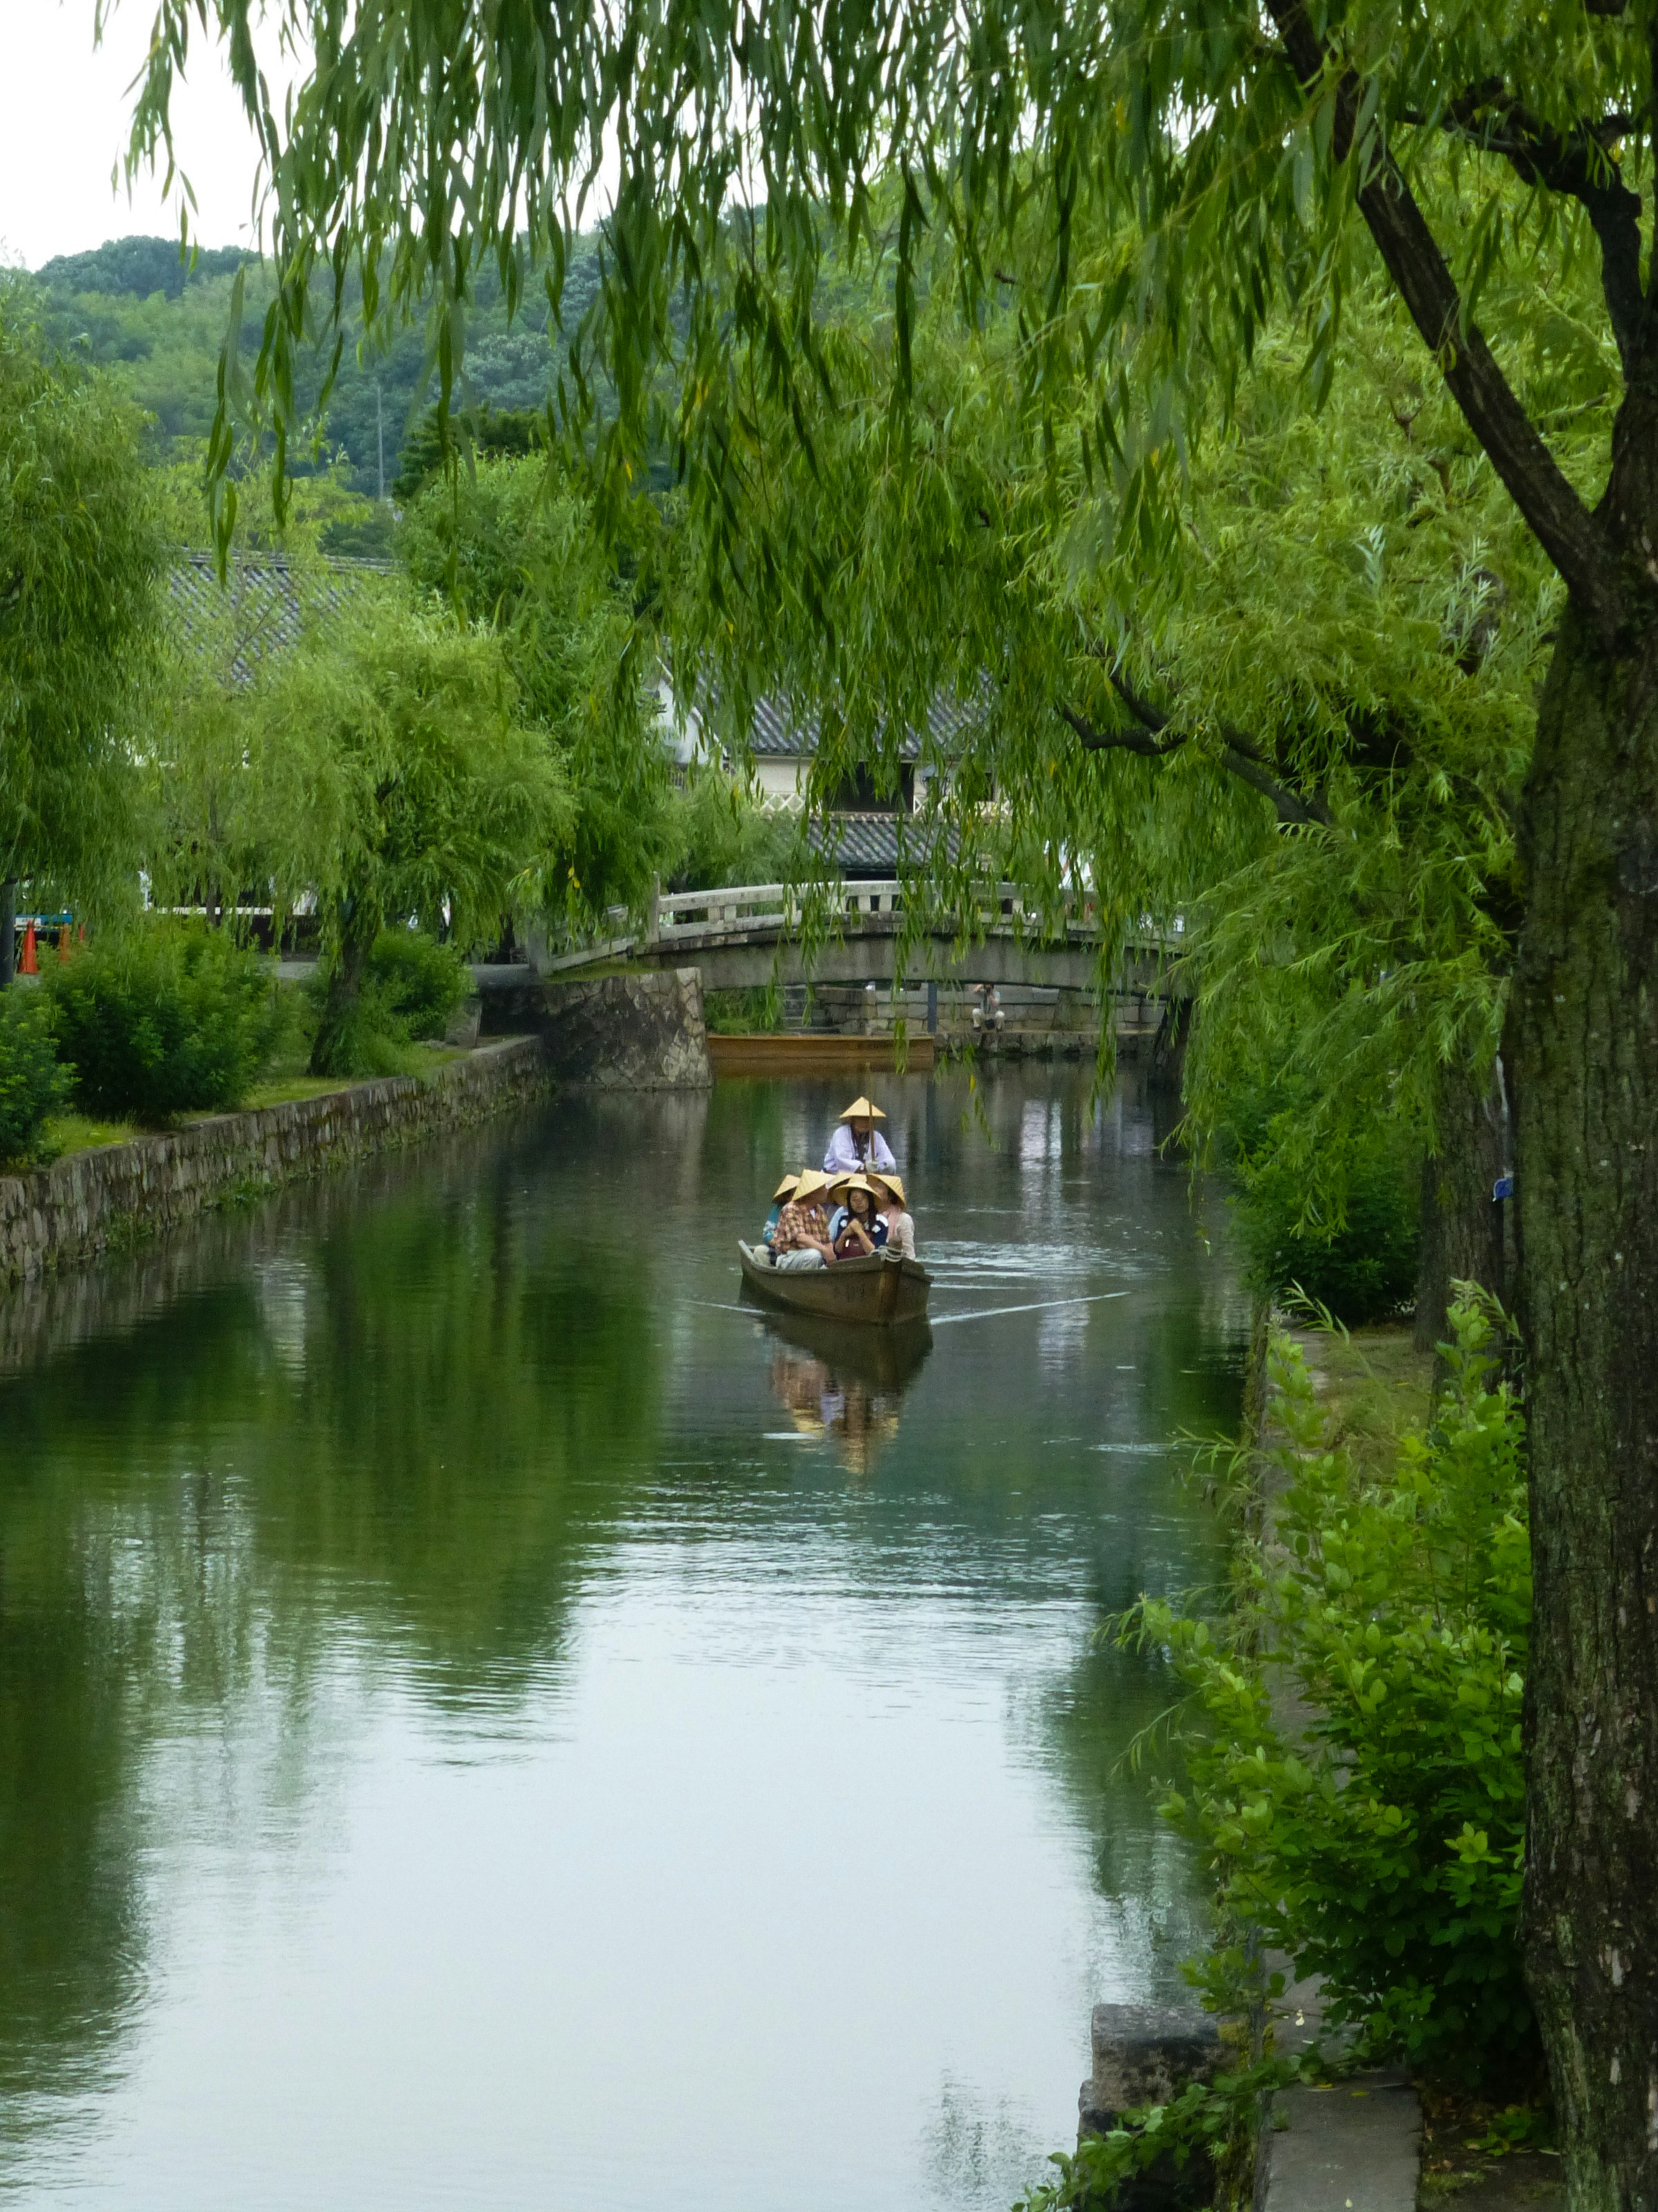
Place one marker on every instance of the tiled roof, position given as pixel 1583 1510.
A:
pixel 777 733
pixel 269 600
pixel 867 844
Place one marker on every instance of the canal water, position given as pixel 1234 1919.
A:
pixel 488 1721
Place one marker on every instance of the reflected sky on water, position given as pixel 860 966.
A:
pixel 486 1720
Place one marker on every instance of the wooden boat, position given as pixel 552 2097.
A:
pixel 786 1052
pixel 879 1291
pixel 883 1359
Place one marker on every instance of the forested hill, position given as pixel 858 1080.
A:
pixel 133 306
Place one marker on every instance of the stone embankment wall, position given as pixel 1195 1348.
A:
pixel 120 1195
pixel 640 1032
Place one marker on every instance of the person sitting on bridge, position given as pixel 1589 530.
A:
pixel 899 1225
pixel 857 1143
pixel 856 1228
pixel 784 1190
pixel 801 1237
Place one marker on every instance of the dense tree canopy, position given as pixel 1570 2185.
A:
pixel 519 552
pixel 79 553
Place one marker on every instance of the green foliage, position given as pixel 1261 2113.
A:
pixel 472 433
pixel 716 835
pixel 1211 2122
pixel 1383 1847
pixel 410 988
pixel 78 556
pixel 396 783
pixel 517 551
pixel 134 310
pixel 137 267
pixel 1359 1258
pixel 165 1018
pixel 419 981
pixel 33 1082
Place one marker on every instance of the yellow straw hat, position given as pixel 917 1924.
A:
pixel 810 1181
pixel 894 1182
pixel 862 1109
pixel 841 1184
pixel 786 1187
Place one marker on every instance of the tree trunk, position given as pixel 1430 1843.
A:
pixel 1462 1226
pixel 8 931
pixel 332 1054
pixel 1583 1047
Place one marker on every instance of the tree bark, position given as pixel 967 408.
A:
pixel 331 1052
pixel 1463 1228
pixel 1583 1046
pixel 8 931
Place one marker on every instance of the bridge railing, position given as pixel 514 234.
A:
pixel 681 916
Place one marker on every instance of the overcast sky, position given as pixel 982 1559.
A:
pixel 63 109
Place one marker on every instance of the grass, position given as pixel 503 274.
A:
pixel 65 1133
pixel 1375 1385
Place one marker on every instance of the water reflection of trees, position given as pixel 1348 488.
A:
pixel 404 1426
pixel 397 1420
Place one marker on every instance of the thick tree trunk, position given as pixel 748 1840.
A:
pixel 1583 1047
pixel 7 930
pixel 1462 1227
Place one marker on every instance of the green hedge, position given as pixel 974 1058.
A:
pixel 168 1018
pixel 33 1082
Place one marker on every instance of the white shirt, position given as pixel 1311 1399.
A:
pixel 843 1155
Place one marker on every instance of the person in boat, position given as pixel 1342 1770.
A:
pixel 899 1224
pixel 801 1237
pixel 856 1228
pixel 857 1144
pixel 785 1190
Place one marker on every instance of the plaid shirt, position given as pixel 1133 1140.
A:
pixel 798 1226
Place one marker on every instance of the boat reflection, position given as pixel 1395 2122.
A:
pixel 843 1381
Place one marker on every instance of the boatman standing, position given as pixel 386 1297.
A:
pixel 857 1143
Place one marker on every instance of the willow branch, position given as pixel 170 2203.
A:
pixel 1532 477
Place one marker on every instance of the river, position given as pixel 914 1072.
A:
pixel 486 1721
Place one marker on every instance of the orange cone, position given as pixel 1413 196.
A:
pixel 28 965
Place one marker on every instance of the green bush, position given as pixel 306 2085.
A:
pixel 1362 1263
pixel 416 983
pixel 169 1019
pixel 1383 1846
pixel 33 1083
pixel 412 986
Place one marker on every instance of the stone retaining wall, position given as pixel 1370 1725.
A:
pixel 642 1032
pixel 120 1195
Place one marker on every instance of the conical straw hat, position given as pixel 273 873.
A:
pixel 841 1184
pixel 893 1181
pixel 862 1109
pixel 811 1181
pixel 786 1186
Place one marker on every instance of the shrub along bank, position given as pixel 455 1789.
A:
pixel 1372 1829
pixel 166 1019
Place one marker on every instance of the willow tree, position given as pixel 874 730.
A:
pixel 79 564
pixel 1246 155
pixel 390 779
pixel 516 550
pixel 1304 740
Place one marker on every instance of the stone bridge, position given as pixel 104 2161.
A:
pixel 742 938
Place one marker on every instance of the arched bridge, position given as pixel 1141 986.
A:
pixel 741 940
